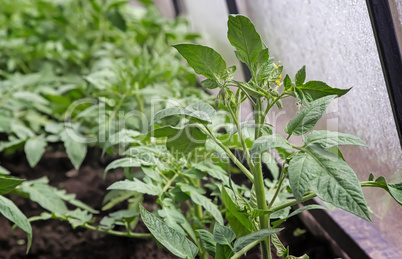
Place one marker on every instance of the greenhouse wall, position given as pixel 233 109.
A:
pixel 336 43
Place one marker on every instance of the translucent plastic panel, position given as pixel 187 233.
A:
pixel 334 39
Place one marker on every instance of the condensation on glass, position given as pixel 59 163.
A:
pixel 334 39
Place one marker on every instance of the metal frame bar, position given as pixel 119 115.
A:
pixel 390 56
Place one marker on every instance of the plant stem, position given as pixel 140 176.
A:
pixel 228 152
pixel 169 183
pixel 242 140
pixel 259 184
pixel 199 214
pixel 245 249
pixel 293 202
pixel 283 176
pixel 117 233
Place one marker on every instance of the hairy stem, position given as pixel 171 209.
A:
pixel 259 184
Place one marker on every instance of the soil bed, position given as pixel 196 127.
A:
pixel 56 239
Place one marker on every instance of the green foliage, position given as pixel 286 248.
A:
pixel 174 241
pixel 11 212
pixel 76 79
pixel 72 72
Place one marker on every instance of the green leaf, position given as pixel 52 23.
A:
pixel 11 212
pixel 308 117
pixel 76 151
pixel 243 36
pixel 394 189
pixel 336 151
pixel 330 178
pixel 30 97
pixel 203 60
pixel 281 251
pixel 123 162
pixel 263 57
pixel 269 142
pixel 4 171
pixel 117 19
pixel 223 235
pixel 8 184
pixel 223 251
pixel 45 195
pixel 70 198
pixel 203 201
pixel 213 170
pixel 34 149
pixel 327 139
pixel 314 90
pixel 241 242
pixel 182 140
pixel 174 241
pixel 210 84
pixel 199 112
pixel 235 210
pixel 298 211
pixel 300 76
pixel 287 83
pixel 136 185
pixel 115 197
pixel 207 241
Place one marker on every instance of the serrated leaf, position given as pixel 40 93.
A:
pixel 327 139
pixel 223 235
pixel 314 90
pixel 34 149
pixel 11 212
pixel 76 151
pixel 45 196
pixel 281 251
pixel 243 36
pixel 70 198
pixel 203 201
pixel 330 178
pixel 207 241
pixel 300 76
pixel 241 242
pixel 269 142
pixel 174 241
pixel 137 186
pixel 308 117
pixel 235 211
pixel 203 60
pixel 8 184
pixel 213 170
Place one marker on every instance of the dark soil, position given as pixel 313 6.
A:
pixel 56 239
